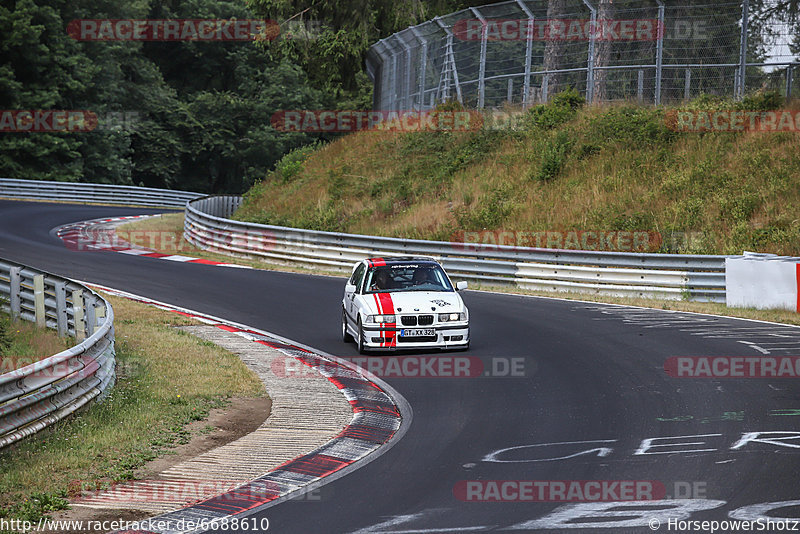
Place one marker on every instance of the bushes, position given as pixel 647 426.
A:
pixel 759 101
pixel 291 164
pixel 490 213
pixel 632 126
pixel 560 110
pixel 554 156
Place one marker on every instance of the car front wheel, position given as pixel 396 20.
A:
pixel 346 337
pixel 361 345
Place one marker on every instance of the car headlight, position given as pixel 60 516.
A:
pixel 381 319
pixel 446 317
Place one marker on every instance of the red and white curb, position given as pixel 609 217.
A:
pixel 381 416
pixel 100 235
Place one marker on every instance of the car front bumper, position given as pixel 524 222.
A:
pixel 447 337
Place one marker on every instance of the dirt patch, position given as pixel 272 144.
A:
pixel 224 425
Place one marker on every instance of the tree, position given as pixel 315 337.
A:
pixel 555 49
pixel 603 48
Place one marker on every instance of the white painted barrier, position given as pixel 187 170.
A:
pixel 762 281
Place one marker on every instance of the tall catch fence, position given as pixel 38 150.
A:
pixel 523 51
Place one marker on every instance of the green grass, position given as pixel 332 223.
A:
pixel 166 379
pixel 565 166
pixel 22 343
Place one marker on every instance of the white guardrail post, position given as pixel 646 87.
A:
pixel 38 394
pixel 664 276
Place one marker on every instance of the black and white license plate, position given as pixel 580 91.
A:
pixel 417 332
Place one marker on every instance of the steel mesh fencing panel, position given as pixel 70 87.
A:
pixel 521 52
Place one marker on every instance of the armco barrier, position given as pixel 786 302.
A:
pixel 662 276
pixel 93 193
pixel 36 395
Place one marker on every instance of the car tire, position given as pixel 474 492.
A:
pixel 346 337
pixel 360 342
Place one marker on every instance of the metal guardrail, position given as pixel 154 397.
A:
pixel 664 276
pixel 39 394
pixel 93 193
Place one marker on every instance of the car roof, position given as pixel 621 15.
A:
pixel 399 260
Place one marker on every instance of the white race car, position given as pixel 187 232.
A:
pixel 403 303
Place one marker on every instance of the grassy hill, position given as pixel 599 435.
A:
pixel 565 166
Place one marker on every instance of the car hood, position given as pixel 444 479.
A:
pixel 417 302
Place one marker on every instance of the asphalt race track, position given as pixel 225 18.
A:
pixel 593 398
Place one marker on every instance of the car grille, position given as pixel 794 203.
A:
pixel 417 339
pixel 414 320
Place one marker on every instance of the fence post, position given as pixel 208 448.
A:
pixel 743 50
pixel 590 54
pixel 394 82
pixel 687 83
pixel 14 282
pixel 61 308
pixel 482 66
pixel 77 314
pixel 660 51
pixel 510 95
pixel 545 87
pixel 450 60
pixel 408 74
pixel 526 82
pixel 422 66
pixel 789 72
pixel 38 300
pixel 640 87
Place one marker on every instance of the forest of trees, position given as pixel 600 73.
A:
pixel 192 115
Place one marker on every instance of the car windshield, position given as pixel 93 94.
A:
pixel 407 277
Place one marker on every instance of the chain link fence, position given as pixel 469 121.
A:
pixel 520 52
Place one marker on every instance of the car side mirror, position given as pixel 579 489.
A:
pixel 461 286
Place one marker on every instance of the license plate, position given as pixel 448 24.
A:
pixel 418 332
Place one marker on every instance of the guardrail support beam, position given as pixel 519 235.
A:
pixel 91 318
pixel 38 300
pixel 61 308
pixel 14 281
pixel 77 313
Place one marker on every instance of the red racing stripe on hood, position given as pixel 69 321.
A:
pixel 387 304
